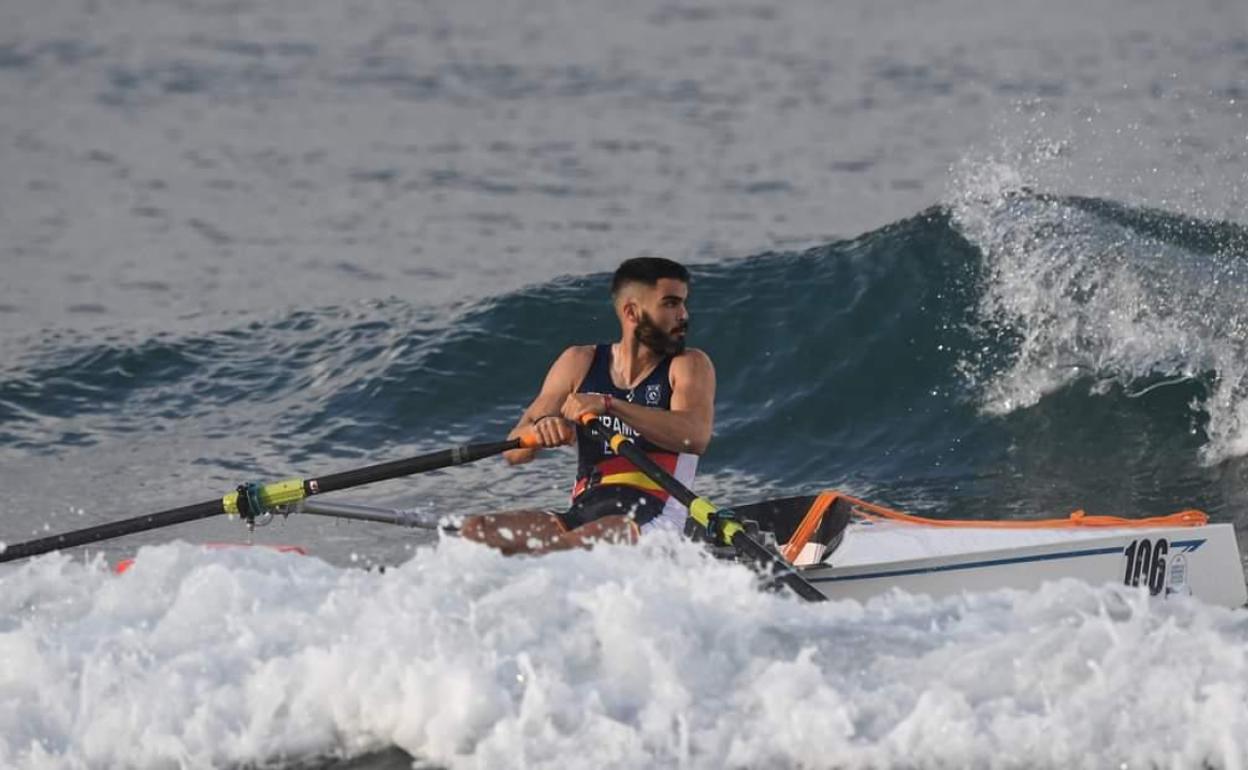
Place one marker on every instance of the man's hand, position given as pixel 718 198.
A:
pixel 552 430
pixel 577 404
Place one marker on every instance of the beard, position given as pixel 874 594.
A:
pixel 664 343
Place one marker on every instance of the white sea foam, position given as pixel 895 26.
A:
pixel 622 657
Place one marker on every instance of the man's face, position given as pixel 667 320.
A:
pixel 664 317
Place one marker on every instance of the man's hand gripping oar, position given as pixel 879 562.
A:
pixel 721 525
pixel 252 500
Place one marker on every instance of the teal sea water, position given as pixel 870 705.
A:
pixel 1104 370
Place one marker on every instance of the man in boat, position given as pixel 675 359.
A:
pixel 650 387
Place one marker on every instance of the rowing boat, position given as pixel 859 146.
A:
pixel 851 549
pixel 829 545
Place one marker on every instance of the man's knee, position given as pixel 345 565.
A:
pixel 473 527
pixel 610 529
pixel 513 531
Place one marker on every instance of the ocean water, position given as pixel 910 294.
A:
pixel 963 258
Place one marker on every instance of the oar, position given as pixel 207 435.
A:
pixel 722 524
pixel 251 500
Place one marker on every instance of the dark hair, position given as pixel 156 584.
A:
pixel 647 270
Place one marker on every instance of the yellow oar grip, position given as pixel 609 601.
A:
pixel 729 530
pixel 701 510
pixel 271 495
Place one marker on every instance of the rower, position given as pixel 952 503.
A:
pixel 648 385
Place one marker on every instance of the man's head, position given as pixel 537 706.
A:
pixel 649 294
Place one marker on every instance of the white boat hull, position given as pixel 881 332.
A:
pixel 1183 561
pixel 874 555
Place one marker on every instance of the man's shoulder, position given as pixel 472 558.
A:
pixel 578 353
pixel 692 360
pixel 694 355
pixel 575 357
pixel 569 369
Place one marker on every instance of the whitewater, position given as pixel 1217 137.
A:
pixel 616 658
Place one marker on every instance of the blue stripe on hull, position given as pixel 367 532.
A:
pixel 987 563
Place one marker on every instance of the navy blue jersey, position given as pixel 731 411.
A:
pixel 597 464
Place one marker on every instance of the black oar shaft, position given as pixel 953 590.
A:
pixel 739 539
pixel 278 493
pixel 112 529
pixel 656 472
pixel 406 467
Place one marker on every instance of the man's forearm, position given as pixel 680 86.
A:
pixel 521 456
pixel 675 431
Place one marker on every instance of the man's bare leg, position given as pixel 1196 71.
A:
pixel 608 529
pixel 513 532
pixel 516 532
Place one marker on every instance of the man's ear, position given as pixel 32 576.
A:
pixel 631 310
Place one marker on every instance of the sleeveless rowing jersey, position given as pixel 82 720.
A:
pixel 597 464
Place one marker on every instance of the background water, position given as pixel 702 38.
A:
pixel 958 257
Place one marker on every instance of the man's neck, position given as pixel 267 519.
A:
pixel 630 360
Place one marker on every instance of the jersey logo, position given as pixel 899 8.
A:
pixel 615 425
pixel 653 394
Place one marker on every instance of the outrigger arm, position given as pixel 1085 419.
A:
pixel 358 512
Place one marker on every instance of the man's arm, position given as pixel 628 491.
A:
pixel 565 374
pixel 686 427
